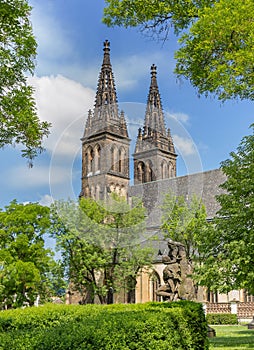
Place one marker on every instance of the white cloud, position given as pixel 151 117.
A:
pixel 64 103
pixel 179 116
pixel 22 176
pixel 185 146
pixel 46 200
pixel 129 70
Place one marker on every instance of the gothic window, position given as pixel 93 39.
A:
pixel 171 169
pixel 89 160
pixel 121 160
pixel 92 192
pixel 141 172
pixel 97 158
pixel 212 297
pixel 148 172
pixel 164 170
pixel 155 284
pixel 114 158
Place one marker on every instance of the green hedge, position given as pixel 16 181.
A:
pixel 157 326
pixel 215 319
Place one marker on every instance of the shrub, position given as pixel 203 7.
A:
pixel 157 326
pixel 216 319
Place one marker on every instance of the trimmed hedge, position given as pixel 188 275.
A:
pixel 216 319
pixel 157 326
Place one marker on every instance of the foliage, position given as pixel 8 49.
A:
pixel 100 245
pixel 221 319
pixel 217 54
pixel 138 326
pixel 27 268
pixel 230 256
pixel 217 38
pixel 155 15
pixel 18 118
pixel 186 222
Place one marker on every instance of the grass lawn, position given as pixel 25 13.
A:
pixel 232 338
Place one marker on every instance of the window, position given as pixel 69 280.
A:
pixel 155 284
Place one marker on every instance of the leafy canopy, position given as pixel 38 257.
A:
pixel 185 221
pixel 230 258
pixel 100 245
pixel 27 268
pixel 216 44
pixel 18 118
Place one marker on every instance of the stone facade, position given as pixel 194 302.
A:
pixel 105 143
pixel 105 167
pixel 154 156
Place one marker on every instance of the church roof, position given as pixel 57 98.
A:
pixel 205 185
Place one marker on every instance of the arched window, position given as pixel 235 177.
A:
pixel 141 172
pixel 171 169
pixel 155 284
pixel 148 172
pixel 92 192
pixel 89 155
pixel 114 160
pixel 211 296
pixel 164 170
pixel 97 158
pixel 122 157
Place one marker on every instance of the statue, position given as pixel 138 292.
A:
pixel 172 274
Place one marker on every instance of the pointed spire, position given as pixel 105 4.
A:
pixel 106 91
pixel 154 134
pixel 154 114
pixel 154 76
pixel 106 57
pixel 88 122
pixel 105 115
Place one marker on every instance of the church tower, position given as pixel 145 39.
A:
pixel 105 144
pixel 154 157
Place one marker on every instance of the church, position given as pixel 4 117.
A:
pixel 106 168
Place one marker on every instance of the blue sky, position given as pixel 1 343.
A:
pixel 70 39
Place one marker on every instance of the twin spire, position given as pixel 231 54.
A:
pixel 154 131
pixel 106 116
pixel 106 91
pixel 154 118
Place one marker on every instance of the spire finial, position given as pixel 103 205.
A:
pixel 106 45
pixel 106 58
pixel 153 70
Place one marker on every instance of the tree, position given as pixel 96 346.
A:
pixel 18 119
pixel 217 39
pixel 230 258
pixel 27 268
pixel 100 244
pixel 185 221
